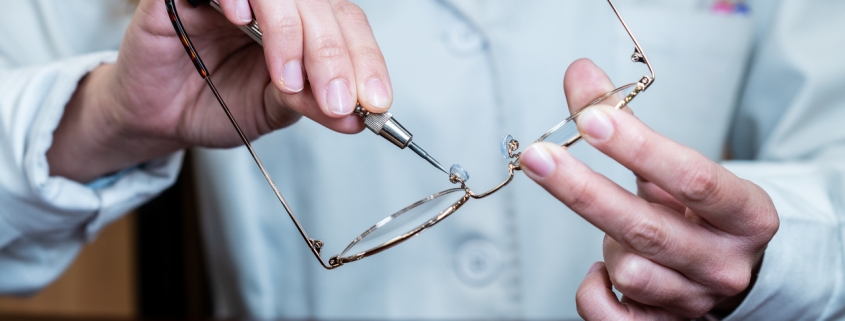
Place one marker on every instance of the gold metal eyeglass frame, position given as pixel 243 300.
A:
pixel 510 146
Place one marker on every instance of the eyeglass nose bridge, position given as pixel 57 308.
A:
pixel 513 166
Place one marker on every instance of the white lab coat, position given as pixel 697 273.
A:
pixel 46 47
pixel 768 86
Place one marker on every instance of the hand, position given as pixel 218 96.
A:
pixel 152 101
pixel 687 241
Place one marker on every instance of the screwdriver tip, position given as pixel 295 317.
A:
pixel 427 157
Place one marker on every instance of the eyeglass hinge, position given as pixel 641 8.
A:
pixel 334 261
pixel 645 82
pixel 316 244
pixel 638 56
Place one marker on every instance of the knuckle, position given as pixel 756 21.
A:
pixel 730 281
pixel 311 3
pixel 330 48
pixel 700 183
pixel 291 29
pixel 646 236
pixel 697 308
pixel 629 279
pixel 641 147
pixel 582 300
pixel 350 11
pixel 771 225
pixel 368 54
pixel 579 199
pixel 767 221
pixel 588 305
pixel 608 244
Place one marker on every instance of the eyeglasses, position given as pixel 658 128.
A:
pixel 429 211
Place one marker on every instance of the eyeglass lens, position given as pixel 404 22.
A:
pixel 566 132
pixel 418 216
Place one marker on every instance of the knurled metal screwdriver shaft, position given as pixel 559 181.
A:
pixel 386 126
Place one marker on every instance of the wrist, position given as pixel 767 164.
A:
pixel 93 138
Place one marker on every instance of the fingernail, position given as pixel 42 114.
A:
pixel 292 76
pixel 595 267
pixel 338 98
pixel 376 93
pixel 595 123
pixel 242 11
pixel 537 160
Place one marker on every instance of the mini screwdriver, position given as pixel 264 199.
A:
pixel 382 124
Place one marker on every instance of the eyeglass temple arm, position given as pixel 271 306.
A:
pixel 315 245
pixel 639 54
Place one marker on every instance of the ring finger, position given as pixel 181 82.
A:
pixel 652 284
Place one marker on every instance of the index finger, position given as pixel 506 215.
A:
pixel 711 191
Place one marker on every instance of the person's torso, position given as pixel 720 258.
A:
pixel 464 74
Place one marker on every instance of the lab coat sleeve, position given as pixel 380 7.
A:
pixel 789 129
pixel 802 273
pixel 44 220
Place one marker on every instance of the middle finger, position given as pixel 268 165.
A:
pixel 327 59
pixel 650 230
pixel 707 188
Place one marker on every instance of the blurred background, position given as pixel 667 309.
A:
pixel 149 264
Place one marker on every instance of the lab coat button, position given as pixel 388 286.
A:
pixel 463 39
pixel 478 262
